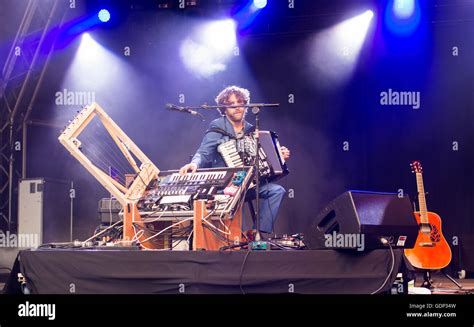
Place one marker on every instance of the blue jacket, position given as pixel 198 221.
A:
pixel 207 155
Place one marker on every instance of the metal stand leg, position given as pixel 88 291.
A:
pixel 252 212
pixel 452 279
pixel 428 282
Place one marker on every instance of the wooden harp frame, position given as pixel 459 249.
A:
pixel 128 196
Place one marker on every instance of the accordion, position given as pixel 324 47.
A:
pixel 242 152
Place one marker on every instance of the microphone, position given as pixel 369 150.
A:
pixel 170 106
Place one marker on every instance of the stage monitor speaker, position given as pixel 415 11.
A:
pixel 364 220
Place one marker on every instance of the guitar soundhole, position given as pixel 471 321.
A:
pixel 434 235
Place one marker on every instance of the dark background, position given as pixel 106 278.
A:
pixel 274 63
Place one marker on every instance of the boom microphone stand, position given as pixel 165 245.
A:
pixel 256 111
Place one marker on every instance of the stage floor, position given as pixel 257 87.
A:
pixel 96 271
pixel 442 285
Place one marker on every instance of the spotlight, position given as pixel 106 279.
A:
pixel 88 51
pixel 350 34
pixel 369 14
pixel 403 16
pixel 335 51
pixel 210 48
pixel 104 15
pixel 260 4
pixel 404 8
pixel 220 35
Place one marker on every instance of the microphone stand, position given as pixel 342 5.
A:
pixel 256 111
pixel 250 105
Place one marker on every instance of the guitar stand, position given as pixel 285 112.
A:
pixel 428 282
pixel 453 280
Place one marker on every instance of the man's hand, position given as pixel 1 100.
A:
pixel 190 166
pixel 285 152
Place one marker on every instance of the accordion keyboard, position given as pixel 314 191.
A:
pixel 241 152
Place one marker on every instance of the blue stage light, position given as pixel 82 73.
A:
pixel 260 4
pixel 403 16
pixel 403 9
pixel 104 15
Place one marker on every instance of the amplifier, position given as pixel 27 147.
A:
pixel 109 209
pixel 44 210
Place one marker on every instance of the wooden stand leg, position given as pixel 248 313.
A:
pixel 131 215
pixel 206 239
pixel 129 211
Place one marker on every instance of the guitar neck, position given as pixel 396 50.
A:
pixel 421 198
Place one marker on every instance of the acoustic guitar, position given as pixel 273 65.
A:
pixel 431 251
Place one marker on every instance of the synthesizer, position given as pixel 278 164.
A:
pixel 171 196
